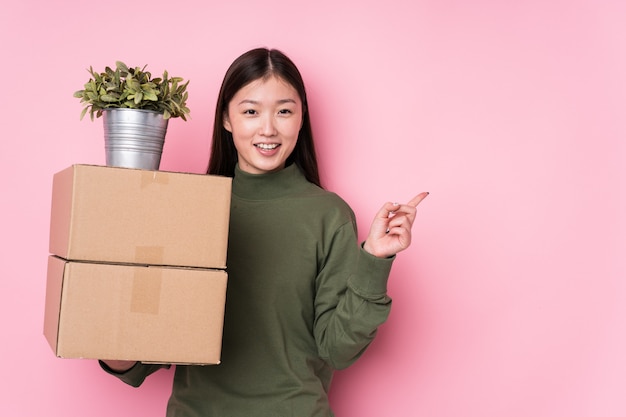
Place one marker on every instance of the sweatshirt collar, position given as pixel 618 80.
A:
pixel 268 186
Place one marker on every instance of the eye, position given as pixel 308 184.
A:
pixel 284 111
pixel 249 111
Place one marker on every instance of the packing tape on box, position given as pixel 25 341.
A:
pixel 146 291
pixel 153 177
pixel 149 255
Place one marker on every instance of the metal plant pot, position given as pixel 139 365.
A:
pixel 134 138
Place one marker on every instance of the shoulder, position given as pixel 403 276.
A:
pixel 325 203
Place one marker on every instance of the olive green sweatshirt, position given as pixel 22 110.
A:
pixel 303 299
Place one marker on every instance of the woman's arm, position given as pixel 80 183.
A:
pixel 351 289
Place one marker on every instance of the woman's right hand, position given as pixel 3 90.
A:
pixel 119 366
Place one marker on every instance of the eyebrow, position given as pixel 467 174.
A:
pixel 282 101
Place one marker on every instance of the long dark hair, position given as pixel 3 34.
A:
pixel 253 65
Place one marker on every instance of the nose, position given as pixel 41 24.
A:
pixel 267 127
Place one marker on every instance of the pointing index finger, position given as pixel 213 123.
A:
pixel 418 199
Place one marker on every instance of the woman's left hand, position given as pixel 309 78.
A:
pixel 390 232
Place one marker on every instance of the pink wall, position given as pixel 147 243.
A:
pixel 511 302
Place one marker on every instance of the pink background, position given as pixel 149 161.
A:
pixel 512 300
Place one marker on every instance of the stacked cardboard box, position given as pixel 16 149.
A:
pixel 137 265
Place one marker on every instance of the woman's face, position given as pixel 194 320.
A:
pixel 264 117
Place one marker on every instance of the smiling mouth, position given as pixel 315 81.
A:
pixel 267 146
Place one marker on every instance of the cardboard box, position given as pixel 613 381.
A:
pixel 131 312
pixel 123 215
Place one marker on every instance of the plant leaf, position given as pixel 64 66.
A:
pixel 121 66
pixel 138 97
pixel 108 98
pixel 150 95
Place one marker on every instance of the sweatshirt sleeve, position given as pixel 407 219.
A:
pixel 351 299
pixel 135 375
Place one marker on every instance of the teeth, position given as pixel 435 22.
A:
pixel 267 146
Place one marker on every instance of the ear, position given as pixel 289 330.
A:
pixel 226 123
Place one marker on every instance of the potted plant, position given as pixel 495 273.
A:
pixel 135 109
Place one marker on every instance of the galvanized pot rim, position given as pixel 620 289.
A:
pixel 129 109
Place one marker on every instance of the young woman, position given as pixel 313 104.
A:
pixel 304 298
